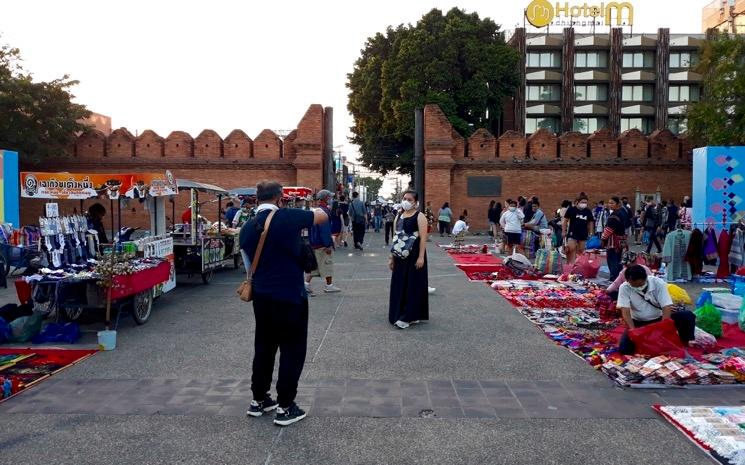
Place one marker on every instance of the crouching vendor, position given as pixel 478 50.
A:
pixel 643 300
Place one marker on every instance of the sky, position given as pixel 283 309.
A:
pixel 191 65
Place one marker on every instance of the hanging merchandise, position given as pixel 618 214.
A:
pixel 673 254
pixel 723 250
pixel 710 246
pixel 695 253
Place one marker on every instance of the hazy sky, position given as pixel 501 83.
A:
pixel 190 65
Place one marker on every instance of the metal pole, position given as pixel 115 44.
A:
pixel 328 149
pixel 419 156
pixel 111 212
pixel 119 217
pixel 155 215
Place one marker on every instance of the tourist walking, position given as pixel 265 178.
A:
pixel 409 301
pixel 389 214
pixel 512 224
pixel 378 216
pixel 345 223
pixel 358 216
pixel 323 247
pixel 493 217
pixel 336 223
pixel 651 222
pixel 280 303
pixel 444 218
pixel 576 228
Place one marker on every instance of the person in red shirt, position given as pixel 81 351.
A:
pixel 186 216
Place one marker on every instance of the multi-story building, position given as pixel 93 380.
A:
pixel 724 15
pixel 587 81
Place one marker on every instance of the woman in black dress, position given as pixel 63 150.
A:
pixel 409 302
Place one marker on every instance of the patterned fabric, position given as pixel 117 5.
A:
pixel 735 251
pixel 673 253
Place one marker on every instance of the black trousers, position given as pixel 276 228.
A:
pixel 444 227
pixel 685 323
pixel 613 257
pixel 358 231
pixel 283 326
pixel 653 239
pixel 388 231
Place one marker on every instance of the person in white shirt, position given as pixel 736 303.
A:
pixel 643 300
pixel 460 225
pixel 512 223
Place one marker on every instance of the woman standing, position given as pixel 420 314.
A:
pixel 409 301
pixel 444 218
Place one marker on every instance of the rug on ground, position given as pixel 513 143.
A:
pixel 22 368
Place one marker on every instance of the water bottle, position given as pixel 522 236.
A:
pixel 663 268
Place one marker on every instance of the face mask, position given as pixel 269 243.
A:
pixel 512 209
pixel 582 205
pixel 640 289
pixel 406 205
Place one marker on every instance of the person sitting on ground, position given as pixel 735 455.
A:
pixel 512 224
pixel 644 299
pixel 460 226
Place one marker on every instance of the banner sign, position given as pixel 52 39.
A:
pixel 541 13
pixel 9 201
pixel 297 191
pixel 89 185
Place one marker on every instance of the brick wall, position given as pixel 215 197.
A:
pixel 551 168
pixel 236 161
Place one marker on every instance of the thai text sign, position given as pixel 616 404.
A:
pixel 96 185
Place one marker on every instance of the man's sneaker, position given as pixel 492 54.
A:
pixel 290 415
pixel 309 290
pixel 431 290
pixel 257 408
pixel 401 324
pixel 330 288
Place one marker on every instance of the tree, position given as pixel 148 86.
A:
pixel 373 186
pixel 458 61
pixel 38 118
pixel 718 118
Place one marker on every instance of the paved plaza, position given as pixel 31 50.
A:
pixel 478 384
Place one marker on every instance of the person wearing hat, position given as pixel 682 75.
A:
pixel 322 244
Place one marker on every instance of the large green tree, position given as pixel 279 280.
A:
pixel 456 60
pixel 373 186
pixel 37 119
pixel 718 118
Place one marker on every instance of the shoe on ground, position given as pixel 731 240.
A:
pixel 401 324
pixel 290 415
pixel 330 288
pixel 309 290
pixel 431 290
pixel 257 408
pixel 415 322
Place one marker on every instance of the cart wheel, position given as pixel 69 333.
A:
pixel 236 261
pixel 142 305
pixel 207 277
pixel 73 313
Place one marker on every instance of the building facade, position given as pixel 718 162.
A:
pixel 584 82
pixel 724 16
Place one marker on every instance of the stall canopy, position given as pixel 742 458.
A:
pixel 97 185
pixel 186 184
pixel 297 191
pixel 243 192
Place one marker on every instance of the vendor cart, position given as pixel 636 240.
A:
pixel 70 282
pixel 202 248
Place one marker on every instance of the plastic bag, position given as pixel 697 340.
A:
pixel 741 317
pixel 709 318
pixel 728 301
pixel 679 295
pixel 703 298
pixel 659 338
pixel 548 261
pixel 593 243
pixel 606 308
pixel 5 331
pixel 587 265
pixel 56 332
pixel 703 340
pixel 25 327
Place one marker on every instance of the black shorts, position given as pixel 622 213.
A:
pixel 513 238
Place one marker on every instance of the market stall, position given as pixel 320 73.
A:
pixel 202 246
pixel 77 271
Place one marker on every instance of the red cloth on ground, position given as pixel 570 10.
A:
pixel 476 259
pixel 724 245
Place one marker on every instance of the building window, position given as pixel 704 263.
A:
pixel 549 93
pixel 683 59
pixel 589 124
pixel 591 59
pixel 638 93
pixel 591 93
pixel 544 60
pixel 684 94
pixel 549 122
pixel 645 125
pixel 677 125
pixel 638 59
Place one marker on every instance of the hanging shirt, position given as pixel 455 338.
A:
pixel 673 254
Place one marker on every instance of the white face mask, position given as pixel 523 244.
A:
pixel 582 205
pixel 406 205
pixel 512 209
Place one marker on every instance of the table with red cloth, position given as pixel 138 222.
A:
pixel 131 284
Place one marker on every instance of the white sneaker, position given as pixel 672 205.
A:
pixel 431 290
pixel 402 324
pixel 309 290
pixel 330 288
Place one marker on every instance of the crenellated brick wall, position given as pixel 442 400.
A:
pixel 235 161
pixel 550 167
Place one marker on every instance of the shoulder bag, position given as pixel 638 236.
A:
pixel 403 243
pixel 245 290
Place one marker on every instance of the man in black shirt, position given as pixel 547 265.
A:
pixel 280 301
pixel 576 227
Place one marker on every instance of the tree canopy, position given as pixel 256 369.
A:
pixel 373 186
pixel 38 118
pixel 718 118
pixel 456 60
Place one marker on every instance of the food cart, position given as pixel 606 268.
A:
pixel 202 248
pixel 70 280
pixel 292 194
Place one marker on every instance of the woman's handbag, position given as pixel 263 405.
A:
pixel 308 260
pixel 245 290
pixel 403 243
